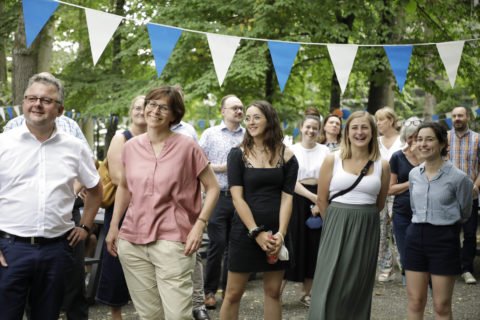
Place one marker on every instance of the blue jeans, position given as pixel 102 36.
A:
pixel 400 225
pixel 39 271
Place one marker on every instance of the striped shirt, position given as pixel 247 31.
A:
pixel 464 152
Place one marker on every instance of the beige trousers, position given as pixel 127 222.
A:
pixel 158 275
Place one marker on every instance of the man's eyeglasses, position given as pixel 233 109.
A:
pixel 412 123
pixel 151 105
pixel 235 109
pixel 43 101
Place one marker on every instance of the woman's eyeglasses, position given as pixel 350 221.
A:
pixel 412 123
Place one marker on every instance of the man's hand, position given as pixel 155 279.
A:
pixel 3 262
pixel 76 235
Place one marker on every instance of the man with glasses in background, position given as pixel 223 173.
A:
pixel 39 164
pixel 464 153
pixel 217 142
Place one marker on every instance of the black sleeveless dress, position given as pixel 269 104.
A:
pixel 262 190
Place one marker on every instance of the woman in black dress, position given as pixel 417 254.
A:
pixel 261 173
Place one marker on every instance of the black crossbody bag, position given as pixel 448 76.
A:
pixel 360 177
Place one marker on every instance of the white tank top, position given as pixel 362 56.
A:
pixel 365 192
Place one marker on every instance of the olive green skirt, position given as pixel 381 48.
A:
pixel 346 263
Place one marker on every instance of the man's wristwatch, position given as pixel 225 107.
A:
pixel 84 227
pixel 253 233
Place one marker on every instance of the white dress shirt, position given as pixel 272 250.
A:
pixel 36 181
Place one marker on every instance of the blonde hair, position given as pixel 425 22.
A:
pixel 346 147
pixel 389 113
pixel 132 105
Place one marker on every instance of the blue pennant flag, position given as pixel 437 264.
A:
pixel 69 114
pixel 296 131
pixel 201 123
pixel 285 125
pixel 10 113
pixel 35 14
pixel 399 57
pixel 477 111
pixel 163 40
pixel 449 122
pixel 283 55
pixel 345 114
pixel 435 117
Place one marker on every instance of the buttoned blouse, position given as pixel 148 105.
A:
pixel 444 200
pixel 36 181
pixel 165 190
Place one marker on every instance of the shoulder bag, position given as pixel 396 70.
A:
pixel 109 189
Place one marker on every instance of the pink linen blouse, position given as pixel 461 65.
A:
pixel 165 191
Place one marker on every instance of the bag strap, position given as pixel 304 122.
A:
pixel 360 177
pixel 128 135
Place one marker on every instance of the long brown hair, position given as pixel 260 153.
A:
pixel 346 147
pixel 272 136
pixel 322 138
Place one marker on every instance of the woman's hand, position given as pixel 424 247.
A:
pixel 265 242
pixel 194 238
pixel 112 241
pixel 278 237
pixel 315 211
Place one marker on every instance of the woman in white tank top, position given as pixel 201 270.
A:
pixel 347 257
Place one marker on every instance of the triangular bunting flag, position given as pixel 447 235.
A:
pixel 285 125
pixel 399 57
pixel 449 122
pixel 101 27
pixel 223 49
pixel 163 40
pixel 212 122
pixel 17 110
pixel 2 114
pixel 201 123
pixel 35 14
pixel 296 131
pixel 69 114
pixel 283 55
pixel 342 56
pixel 10 113
pixel 435 117
pixel 450 53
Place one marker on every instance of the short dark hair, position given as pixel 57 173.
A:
pixel 49 81
pixel 174 98
pixel 440 133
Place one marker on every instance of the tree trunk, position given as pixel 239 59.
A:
pixel 24 62
pixel 45 46
pixel 117 38
pixel 335 93
pixel 88 131
pixel 430 104
pixel 3 59
pixel 380 95
pixel 269 80
pixel 111 130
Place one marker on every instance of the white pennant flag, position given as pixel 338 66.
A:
pixel 342 56
pixel 212 122
pixel 17 110
pixel 451 53
pixel 101 27
pixel 2 113
pixel 223 49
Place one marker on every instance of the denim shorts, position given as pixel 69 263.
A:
pixel 433 249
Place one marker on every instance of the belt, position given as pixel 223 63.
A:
pixel 33 240
pixel 225 193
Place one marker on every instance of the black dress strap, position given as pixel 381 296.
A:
pixel 128 135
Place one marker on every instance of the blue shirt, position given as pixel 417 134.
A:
pixel 400 166
pixel 444 200
pixel 217 142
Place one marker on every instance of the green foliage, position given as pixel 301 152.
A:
pixel 109 86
